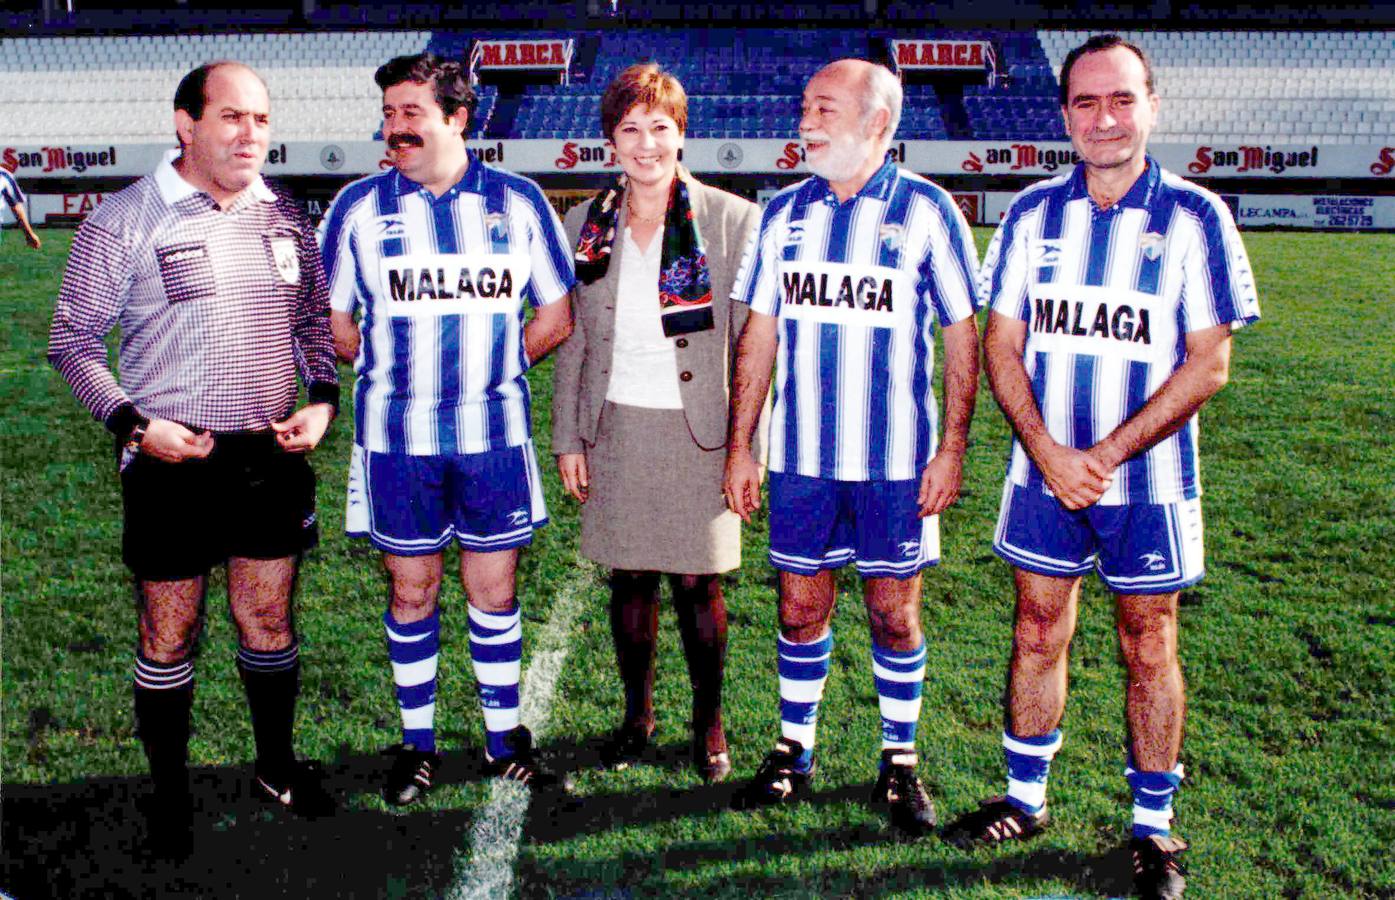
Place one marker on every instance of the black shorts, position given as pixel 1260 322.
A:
pixel 248 498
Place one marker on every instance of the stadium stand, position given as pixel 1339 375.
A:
pixel 1331 87
pixel 104 89
pixel 1265 86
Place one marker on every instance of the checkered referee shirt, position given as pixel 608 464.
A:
pixel 219 309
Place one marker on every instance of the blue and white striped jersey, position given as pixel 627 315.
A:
pixel 858 287
pixel 439 286
pixel 9 189
pixel 1108 298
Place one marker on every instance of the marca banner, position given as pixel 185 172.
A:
pixel 929 55
pixel 551 54
pixel 740 156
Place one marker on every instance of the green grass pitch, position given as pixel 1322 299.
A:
pixel 1288 647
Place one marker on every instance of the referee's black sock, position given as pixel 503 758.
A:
pixel 164 695
pixel 272 680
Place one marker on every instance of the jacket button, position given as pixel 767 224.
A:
pixel 681 342
pixel 685 376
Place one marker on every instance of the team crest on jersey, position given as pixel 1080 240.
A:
pixel 892 235
pixel 287 260
pixel 495 221
pixel 1152 244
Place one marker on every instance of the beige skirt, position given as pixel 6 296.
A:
pixel 655 501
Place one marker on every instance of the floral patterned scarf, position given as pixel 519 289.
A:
pixel 685 286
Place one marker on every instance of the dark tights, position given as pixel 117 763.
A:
pixel 702 622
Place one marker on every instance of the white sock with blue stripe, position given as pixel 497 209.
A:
pixel 414 649
pixel 496 649
pixel 900 678
pixel 1028 764
pixel 1152 799
pixel 803 671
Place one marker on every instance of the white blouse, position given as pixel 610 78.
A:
pixel 643 363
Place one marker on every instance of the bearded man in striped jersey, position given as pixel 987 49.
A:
pixel 1114 292
pixel 846 278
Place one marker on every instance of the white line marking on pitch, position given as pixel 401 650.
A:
pixel 488 870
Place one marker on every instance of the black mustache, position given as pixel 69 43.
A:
pixel 403 140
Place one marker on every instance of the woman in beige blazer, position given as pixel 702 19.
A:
pixel 639 402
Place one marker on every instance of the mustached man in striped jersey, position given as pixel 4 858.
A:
pixel 439 256
pixel 846 278
pixel 1114 292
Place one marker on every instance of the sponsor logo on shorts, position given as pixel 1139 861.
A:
pixel 910 549
pixel 308 521
pixel 1153 561
pixel 519 516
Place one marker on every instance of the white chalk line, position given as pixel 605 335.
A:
pixel 486 873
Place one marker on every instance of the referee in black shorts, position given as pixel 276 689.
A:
pixel 217 286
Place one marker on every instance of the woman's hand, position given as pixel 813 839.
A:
pixel 575 478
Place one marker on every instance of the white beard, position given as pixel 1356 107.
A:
pixel 841 158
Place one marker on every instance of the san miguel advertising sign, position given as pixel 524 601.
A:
pixel 736 156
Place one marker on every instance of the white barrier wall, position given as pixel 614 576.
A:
pixel 737 156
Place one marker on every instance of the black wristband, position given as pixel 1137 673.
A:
pixel 324 392
pixel 123 420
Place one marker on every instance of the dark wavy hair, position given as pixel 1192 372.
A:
pixel 448 79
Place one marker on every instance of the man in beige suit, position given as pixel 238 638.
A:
pixel 639 416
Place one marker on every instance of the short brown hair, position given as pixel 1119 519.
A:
pixel 643 84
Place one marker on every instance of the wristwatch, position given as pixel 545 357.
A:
pixel 133 440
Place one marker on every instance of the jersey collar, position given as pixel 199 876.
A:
pixel 1140 195
pixel 174 188
pixel 878 186
pixel 471 182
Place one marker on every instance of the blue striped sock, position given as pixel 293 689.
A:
pixel 1028 764
pixel 496 648
pixel 803 670
pixel 900 677
pixel 414 649
pixel 1152 799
